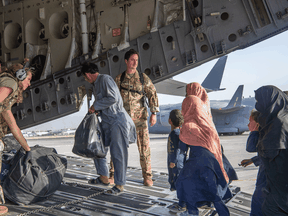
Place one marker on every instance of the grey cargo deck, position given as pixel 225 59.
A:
pixel 135 200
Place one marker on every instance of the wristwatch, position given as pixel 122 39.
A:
pixel 154 113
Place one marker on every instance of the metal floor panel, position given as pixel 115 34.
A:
pixel 137 199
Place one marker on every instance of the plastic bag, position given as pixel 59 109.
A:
pixel 88 141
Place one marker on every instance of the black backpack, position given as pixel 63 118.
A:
pixel 34 175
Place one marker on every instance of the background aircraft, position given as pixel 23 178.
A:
pixel 171 37
pixel 232 119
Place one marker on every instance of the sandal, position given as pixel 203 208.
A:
pixel 98 181
pixel 113 191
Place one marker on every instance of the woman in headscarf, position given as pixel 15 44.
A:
pixel 203 179
pixel 272 147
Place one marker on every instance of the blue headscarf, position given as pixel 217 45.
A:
pixel 272 104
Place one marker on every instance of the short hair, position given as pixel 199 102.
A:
pixel 254 115
pixel 176 117
pixel 129 53
pixel 88 67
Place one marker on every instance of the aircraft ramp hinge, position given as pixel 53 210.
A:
pixel 158 71
pixel 21 114
pixel 45 107
pixel 190 57
pixel 223 46
pixel 243 33
pixel 71 99
pixel 219 49
pixel 282 16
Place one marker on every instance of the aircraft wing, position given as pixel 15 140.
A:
pixel 171 87
pixel 211 83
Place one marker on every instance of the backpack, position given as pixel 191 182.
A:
pixel 34 175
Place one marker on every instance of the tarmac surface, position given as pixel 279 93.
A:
pixel 234 149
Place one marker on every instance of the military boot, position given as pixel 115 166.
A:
pixel 147 180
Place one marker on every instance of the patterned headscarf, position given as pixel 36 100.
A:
pixel 198 128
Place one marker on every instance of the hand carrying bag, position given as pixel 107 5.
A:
pixel 89 140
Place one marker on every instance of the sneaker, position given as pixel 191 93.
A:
pixel 176 208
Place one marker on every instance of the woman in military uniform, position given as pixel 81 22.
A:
pixel 12 84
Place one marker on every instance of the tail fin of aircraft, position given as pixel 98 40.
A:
pixel 213 80
pixel 237 98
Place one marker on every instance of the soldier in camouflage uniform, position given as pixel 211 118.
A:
pixel 12 83
pixel 131 92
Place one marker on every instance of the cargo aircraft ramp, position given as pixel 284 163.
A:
pixel 77 197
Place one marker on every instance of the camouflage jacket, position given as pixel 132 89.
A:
pixel 132 101
pixel 6 105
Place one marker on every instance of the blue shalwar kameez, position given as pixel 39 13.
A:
pixel 174 156
pixel 202 181
pixel 117 125
pixel 258 195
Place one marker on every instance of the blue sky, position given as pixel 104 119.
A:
pixel 265 63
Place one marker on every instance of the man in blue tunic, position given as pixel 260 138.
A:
pixel 117 125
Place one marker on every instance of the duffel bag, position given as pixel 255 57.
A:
pixel 34 175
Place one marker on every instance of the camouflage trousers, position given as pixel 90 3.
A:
pixel 143 144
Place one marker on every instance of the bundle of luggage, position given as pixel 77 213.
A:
pixel 32 176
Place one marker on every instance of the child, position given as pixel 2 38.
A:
pixel 258 195
pixel 175 163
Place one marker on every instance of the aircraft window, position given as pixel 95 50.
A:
pixel 61 80
pixel 25 95
pixel 147 71
pixel 169 39
pixel 102 64
pixel 38 109
pixel 232 37
pixel 146 46
pixel 204 48
pixel 224 16
pixel 29 111
pixel 62 101
pixel 115 58
pixel 37 90
pixel 53 104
